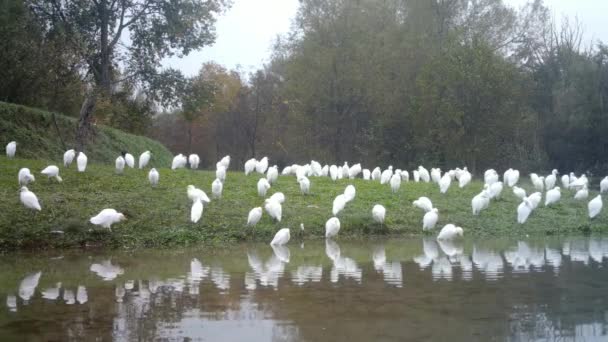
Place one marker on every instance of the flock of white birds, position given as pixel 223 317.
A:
pixel 493 188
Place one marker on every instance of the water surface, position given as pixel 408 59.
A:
pixel 377 290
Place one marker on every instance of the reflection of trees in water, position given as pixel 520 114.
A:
pixel 452 292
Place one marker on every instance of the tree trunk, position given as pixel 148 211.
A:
pixel 84 122
pixel 190 137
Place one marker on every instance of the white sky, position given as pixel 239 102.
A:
pixel 245 33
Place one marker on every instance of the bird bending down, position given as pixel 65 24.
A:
pixel 430 219
pixel 339 203
pixel 423 203
pixel 449 232
pixel 196 212
pixel 332 227
pixel 29 199
pixel 274 209
pixel 25 176
pixel 378 213
pixel 523 210
pixel 106 218
pixel 281 237
pixel 254 216
pixel 52 171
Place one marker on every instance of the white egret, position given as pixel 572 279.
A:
pixel 179 162
pixel 424 174
pixel 254 216
pixel 378 213
pixel 11 148
pixel 274 209
pixel 220 173
pixel 416 176
pixel 538 182
pixel 130 160
pixel 333 172
pixel 225 162
pixel 281 237
pixel 52 171
pixel 332 227
pixel 386 175
pixel 495 189
pixel 519 192
pixel 194 160
pixel 449 232
pixel 550 180
pixel 106 218
pixel 195 193
pixel 278 196
pixel 579 183
pixel 490 177
pixel 582 194
pixel 376 174
pixel 367 175
pixel 535 199
pixel 250 166
pixel 304 185
pixel 552 196
pixel 523 210
pixel 68 157
pixel 29 199
pixel 595 206
pixel 339 203
pixel 435 175
pixel 286 170
pixel 430 219
pixel 566 181
pixel 144 159
pixel 444 183
pixel 25 176
pixel 196 211
pixel 262 165
pixel 263 187
pixel 423 203
pixel 345 170
pixel 325 171
pixel 464 179
pixel 395 182
pixel 153 177
pixel 81 161
pixel 272 174
pixel 511 177
pixel 354 171
pixel 480 202
pixel 349 193
pixel 28 285
pixel 405 176
pixel 119 164
pixel 604 185
pixel 216 188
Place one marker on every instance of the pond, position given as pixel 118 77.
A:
pixel 367 290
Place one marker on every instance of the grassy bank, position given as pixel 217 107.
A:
pixel 44 135
pixel 160 216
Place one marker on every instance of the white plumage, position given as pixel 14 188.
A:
pixel 272 174
pixel 378 213
pixel 444 183
pixel 604 185
pixel 25 176
pixel 254 216
pixel 144 159
pixel 354 171
pixel 281 237
pixel 566 181
pixel 304 185
pixel 376 174
pixel 449 232
pixel 535 199
pixel 262 165
pixel 153 177
pixel 582 194
pixel 424 174
pixel 250 166
pixel 464 179
pixel 179 162
pixel 480 202
pixel 553 196
pixel 523 211
pixel 220 173
pixel 52 171
pixel 416 176
pixel 29 199
pixel 435 175
pixel 130 160
pixel 278 196
pixel 119 164
pixel 332 227
pixel 495 189
pixel 11 148
pixel 430 219
pixel 339 203
pixel 423 203
pixel 519 192
pixel 550 180
pixel 196 212
pixel 333 172
pixel 68 157
pixel 274 209
pixel 367 174
pixel 595 206
pixel 81 162
pixel 349 193
pixel 395 182
pixel 216 188
pixel 386 175
pixel 263 187
pixel 195 193
pixel 106 218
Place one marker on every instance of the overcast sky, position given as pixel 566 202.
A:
pixel 245 33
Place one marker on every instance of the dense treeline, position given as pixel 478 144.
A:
pixel 439 82
pixel 445 83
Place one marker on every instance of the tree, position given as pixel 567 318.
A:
pixel 97 31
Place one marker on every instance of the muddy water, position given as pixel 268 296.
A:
pixel 373 290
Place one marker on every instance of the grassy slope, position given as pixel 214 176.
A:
pixel 160 216
pixel 37 137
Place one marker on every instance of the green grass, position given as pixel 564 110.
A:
pixel 160 216
pixel 38 137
